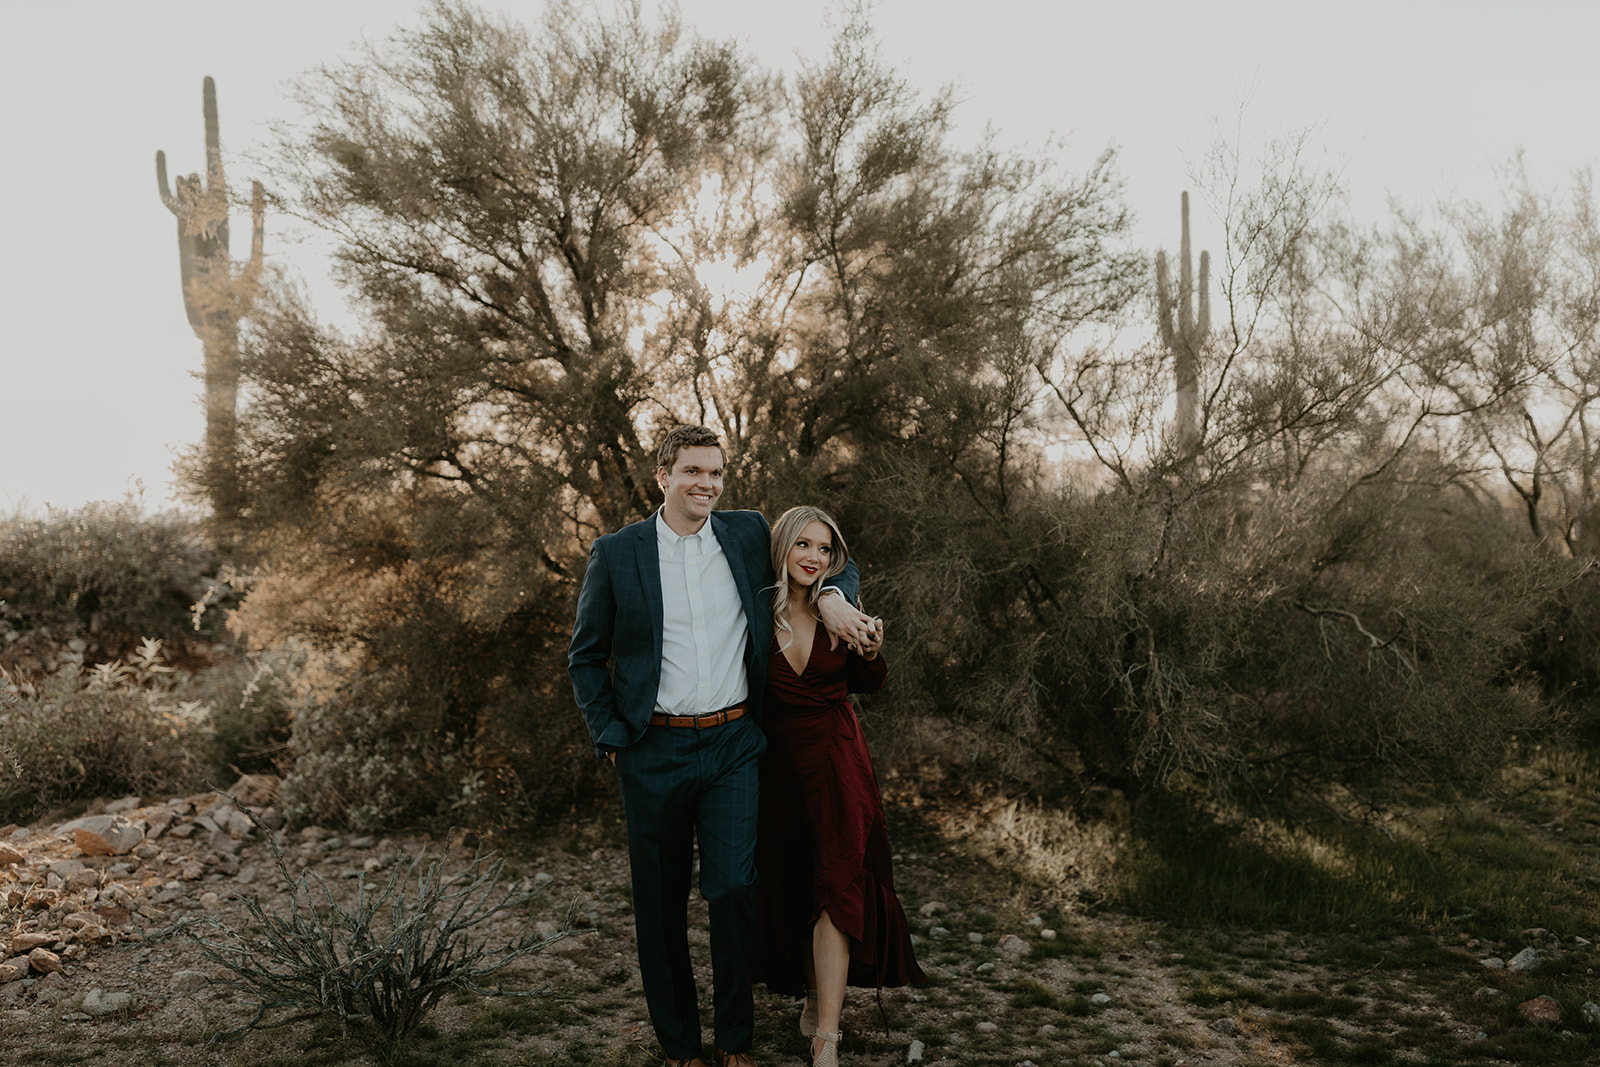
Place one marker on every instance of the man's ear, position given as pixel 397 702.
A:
pixel 661 479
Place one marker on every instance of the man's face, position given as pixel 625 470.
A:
pixel 691 487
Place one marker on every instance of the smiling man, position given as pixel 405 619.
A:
pixel 668 660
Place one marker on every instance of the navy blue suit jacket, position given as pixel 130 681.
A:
pixel 615 655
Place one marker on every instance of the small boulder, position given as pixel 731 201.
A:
pixel 23 944
pixel 1540 1010
pixel 932 908
pixel 1526 960
pixel 106 835
pixel 1225 1026
pixel 121 805
pixel 1591 1012
pixel 98 1002
pixel 44 961
pixel 255 790
pixel 1014 946
pixel 987 1028
pixel 10 856
pixel 1100 1000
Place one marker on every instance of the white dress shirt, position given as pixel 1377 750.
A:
pixel 704 632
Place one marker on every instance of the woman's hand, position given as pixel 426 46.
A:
pixel 869 645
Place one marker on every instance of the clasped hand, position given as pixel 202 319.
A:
pixel 858 630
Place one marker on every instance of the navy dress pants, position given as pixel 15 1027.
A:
pixel 679 784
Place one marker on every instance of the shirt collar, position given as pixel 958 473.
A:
pixel 670 539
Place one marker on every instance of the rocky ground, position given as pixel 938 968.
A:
pixel 86 979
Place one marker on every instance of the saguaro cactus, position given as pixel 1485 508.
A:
pixel 216 297
pixel 1185 339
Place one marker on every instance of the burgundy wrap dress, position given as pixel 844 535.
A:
pixel 822 843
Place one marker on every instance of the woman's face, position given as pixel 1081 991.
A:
pixel 811 554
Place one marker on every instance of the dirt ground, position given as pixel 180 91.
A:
pixel 1016 978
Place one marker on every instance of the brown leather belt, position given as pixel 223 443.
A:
pixel 700 722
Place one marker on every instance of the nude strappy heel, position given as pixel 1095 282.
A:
pixel 808 1016
pixel 828 1055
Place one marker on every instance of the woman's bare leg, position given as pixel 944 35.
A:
pixel 830 950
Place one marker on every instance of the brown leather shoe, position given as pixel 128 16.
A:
pixel 734 1059
pixel 692 1061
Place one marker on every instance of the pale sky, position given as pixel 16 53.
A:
pixel 1412 99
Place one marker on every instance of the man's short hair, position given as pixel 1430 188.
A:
pixel 682 437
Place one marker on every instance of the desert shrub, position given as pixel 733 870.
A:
pixel 252 701
pixel 106 730
pixel 382 961
pixel 434 684
pixel 107 571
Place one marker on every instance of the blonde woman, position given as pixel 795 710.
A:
pixel 828 915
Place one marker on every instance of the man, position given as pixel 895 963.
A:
pixel 668 661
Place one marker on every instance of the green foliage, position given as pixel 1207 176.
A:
pixel 104 731
pixel 382 961
pixel 106 571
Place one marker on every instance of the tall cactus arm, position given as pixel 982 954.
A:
pixel 1164 299
pixel 1204 324
pixel 1185 280
pixel 250 275
pixel 216 191
pixel 161 183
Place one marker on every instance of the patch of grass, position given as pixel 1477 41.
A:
pixel 1027 993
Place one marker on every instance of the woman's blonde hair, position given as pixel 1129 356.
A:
pixel 785 532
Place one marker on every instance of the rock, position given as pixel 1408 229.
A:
pixel 914 1052
pixel 542 879
pixel 1485 992
pixel 113 914
pixel 1540 936
pixel 44 961
pixel 932 908
pixel 65 869
pixel 246 875
pixel 10 856
pixel 314 833
pixel 106 835
pixel 273 818
pixel 1225 1026
pixel 79 919
pixel 1591 1012
pixel 9 973
pixel 1100 1000
pixel 1526 960
pixel 98 1002
pixel 1494 963
pixel 125 804
pixel 1014 946
pixel 209 900
pixel 985 968
pixel 255 790
pixel 1048 1030
pixel 182 830
pixel 156 823
pixel 1540 1010
pixel 23 944
pixel 546 929
pixel 938 931
pixel 85 879
pixel 236 823
pixel 367 841
pixel 1047 935
pixel 986 1028
pixel 975 938
pixel 192 871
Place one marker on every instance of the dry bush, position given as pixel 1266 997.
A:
pixel 103 731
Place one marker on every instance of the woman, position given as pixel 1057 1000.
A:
pixel 828 913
